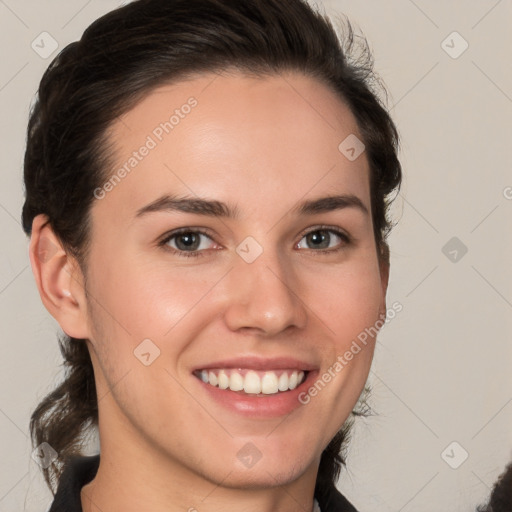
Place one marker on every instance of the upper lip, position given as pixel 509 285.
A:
pixel 259 363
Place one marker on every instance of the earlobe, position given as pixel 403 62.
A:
pixel 58 279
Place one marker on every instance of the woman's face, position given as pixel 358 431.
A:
pixel 275 287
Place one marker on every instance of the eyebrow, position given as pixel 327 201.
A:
pixel 212 208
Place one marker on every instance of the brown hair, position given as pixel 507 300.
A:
pixel 500 499
pixel 119 59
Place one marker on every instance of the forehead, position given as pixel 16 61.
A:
pixel 235 135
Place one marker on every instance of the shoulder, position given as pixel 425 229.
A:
pixel 333 501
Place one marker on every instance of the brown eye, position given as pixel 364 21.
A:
pixel 186 242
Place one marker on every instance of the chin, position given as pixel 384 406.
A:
pixel 254 463
pixel 265 476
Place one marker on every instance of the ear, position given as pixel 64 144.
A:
pixel 59 279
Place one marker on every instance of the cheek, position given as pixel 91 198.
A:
pixel 151 299
pixel 348 300
pixel 142 299
pixel 148 300
pixel 348 306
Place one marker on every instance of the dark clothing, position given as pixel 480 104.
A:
pixel 79 471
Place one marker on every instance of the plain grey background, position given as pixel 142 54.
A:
pixel 441 378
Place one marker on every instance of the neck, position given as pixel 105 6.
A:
pixel 133 476
pixel 119 485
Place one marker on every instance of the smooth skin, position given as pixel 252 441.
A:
pixel 262 146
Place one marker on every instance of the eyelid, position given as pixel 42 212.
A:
pixel 166 237
pixel 346 239
pixel 338 231
pixel 325 227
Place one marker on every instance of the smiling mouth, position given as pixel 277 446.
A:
pixel 252 382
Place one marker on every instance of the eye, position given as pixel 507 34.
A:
pixel 322 237
pixel 186 242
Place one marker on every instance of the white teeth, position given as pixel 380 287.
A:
pixel 283 382
pixel 269 383
pixel 212 378
pixel 253 382
pixel 223 380
pixel 292 383
pixel 236 382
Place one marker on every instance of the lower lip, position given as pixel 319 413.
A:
pixel 264 406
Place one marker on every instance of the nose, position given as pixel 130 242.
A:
pixel 265 296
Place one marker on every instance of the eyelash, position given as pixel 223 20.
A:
pixel 194 254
